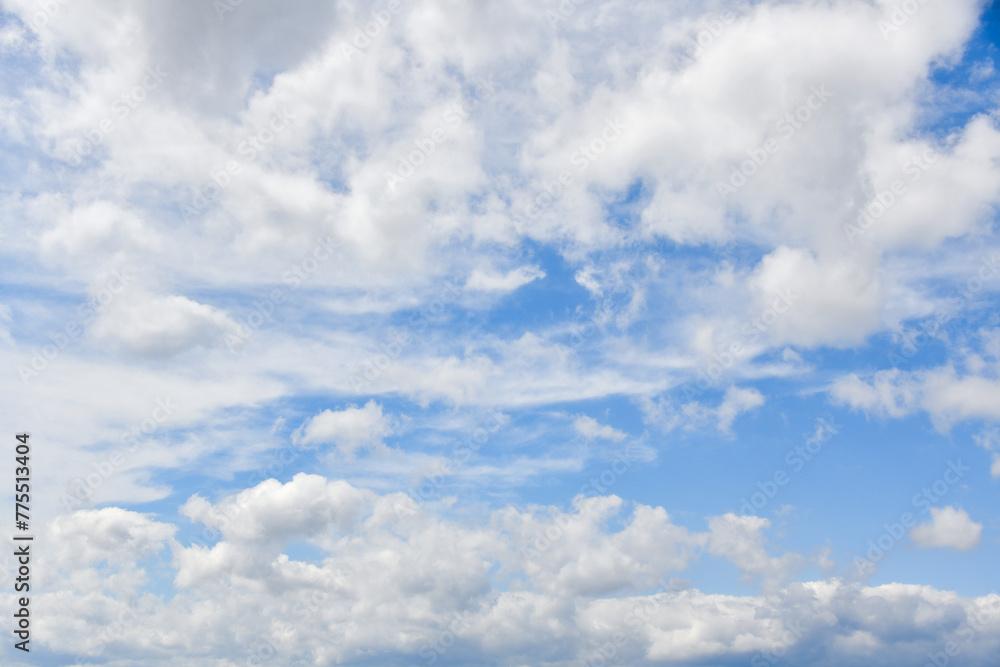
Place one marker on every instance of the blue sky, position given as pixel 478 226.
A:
pixel 506 312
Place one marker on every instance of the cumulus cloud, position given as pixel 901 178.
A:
pixel 110 534
pixel 948 527
pixel 951 397
pixel 350 429
pixel 813 300
pixel 100 228
pixel 541 582
pixel 157 325
pixel 741 540
pixel 947 395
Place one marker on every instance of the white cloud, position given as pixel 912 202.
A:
pixel 948 527
pixel 98 228
pixel 12 37
pixel 887 394
pixel 695 414
pixel 156 325
pixel 349 429
pixel 572 554
pixel 590 428
pixel 736 401
pixel 788 354
pixel 950 397
pixel 586 278
pixel 522 584
pixel 90 536
pixel 741 540
pixel 5 321
pixel 807 300
pixel 946 395
pixel 685 125
pixel 489 281
pixel 990 441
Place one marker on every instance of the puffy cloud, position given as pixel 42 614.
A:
pixel 99 228
pixel 948 527
pixel 951 398
pixel 808 300
pixel 349 429
pixel 574 555
pixel 947 396
pixel 158 325
pixel 411 584
pixel 97 552
pixel 111 534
